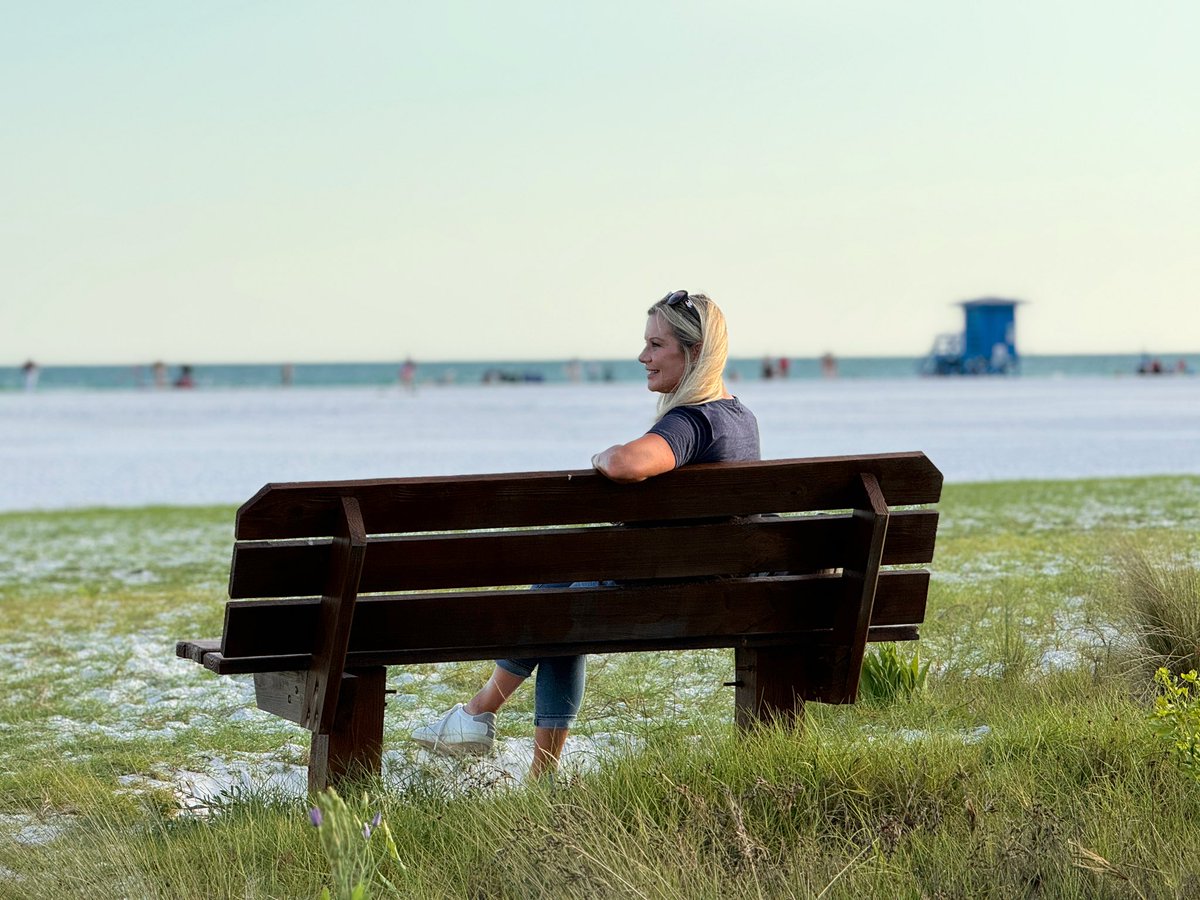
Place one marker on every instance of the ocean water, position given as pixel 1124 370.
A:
pixel 377 374
pixel 67 448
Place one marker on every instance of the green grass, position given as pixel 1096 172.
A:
pixel 1027 767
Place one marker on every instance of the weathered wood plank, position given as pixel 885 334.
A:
pixel 282 693
pixel 310 509
pixel 298 568
pixel 195 650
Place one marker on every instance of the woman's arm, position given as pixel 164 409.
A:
pixel 638 460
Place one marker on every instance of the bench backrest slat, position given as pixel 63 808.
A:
pixel 579 618
pixel 403 505
pixel 427 562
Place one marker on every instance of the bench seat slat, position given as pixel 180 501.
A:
pixel 308 509
pixel 196 650
pixel 298 568
pixel 248 665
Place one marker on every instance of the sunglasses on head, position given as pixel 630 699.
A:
pixel 677 297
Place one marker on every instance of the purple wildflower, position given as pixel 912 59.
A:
pixel 366 831
pixel 314 816
pixel 375 821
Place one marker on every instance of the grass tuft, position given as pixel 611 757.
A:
pixel 1161 597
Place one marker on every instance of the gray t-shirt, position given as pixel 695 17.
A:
pixel 718 431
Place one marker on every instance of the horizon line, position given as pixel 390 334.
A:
pixel 399 360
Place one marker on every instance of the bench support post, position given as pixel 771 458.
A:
pixel 770 685
pixel 354 745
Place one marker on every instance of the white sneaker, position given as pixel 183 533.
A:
pixel 458 733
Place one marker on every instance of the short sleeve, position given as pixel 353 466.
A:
pixel 686 432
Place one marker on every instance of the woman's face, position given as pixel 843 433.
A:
pixel 663 356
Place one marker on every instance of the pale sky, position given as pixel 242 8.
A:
pixel 266 181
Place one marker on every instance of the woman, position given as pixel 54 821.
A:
pixel 698 421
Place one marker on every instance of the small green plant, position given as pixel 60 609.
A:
pixel 887 676
pixel 1176 717
pixel 352 844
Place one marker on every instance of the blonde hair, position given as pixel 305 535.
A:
pixel 703 372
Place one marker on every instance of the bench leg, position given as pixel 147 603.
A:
pixel 354 746
pixel 770 685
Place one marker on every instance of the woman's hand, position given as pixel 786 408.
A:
pixel 638 460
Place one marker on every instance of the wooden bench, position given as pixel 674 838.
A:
pixel 350 577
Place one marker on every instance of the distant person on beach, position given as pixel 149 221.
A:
pixel 287 374
pixel 29 374
pixel 829 366
pixel 1150 366
pixel 408 374
pixel 159 370
pixel 1000 358
pixel 698 421
pixel 185 379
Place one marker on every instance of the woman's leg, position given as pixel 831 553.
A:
pixel 547 747
pixel 493 694
pixel 558 694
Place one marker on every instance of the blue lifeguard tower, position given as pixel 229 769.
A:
pixel 986 346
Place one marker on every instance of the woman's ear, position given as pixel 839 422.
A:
pixel 694 350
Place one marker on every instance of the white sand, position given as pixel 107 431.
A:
pixel 123 448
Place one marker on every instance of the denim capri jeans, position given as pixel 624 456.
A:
pixel 558 691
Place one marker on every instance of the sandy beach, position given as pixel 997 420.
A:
pixel 64 449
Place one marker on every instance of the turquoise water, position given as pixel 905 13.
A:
pixel 269 375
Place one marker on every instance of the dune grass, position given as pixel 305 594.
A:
pixel 1026 767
